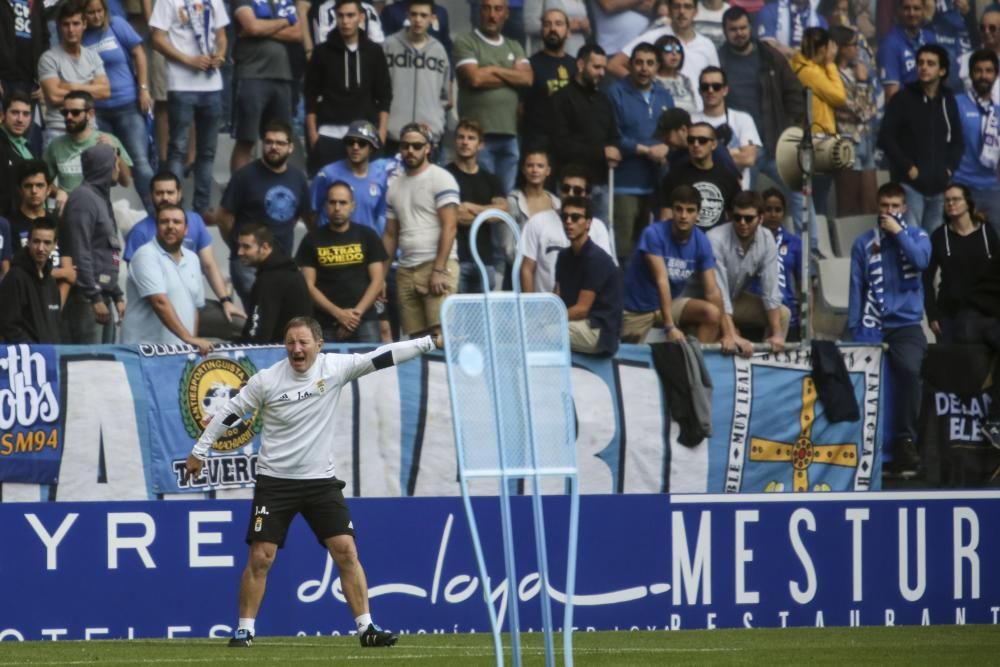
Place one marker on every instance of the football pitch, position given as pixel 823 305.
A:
pixel 935 645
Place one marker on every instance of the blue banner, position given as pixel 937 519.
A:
pixel 680 562
pixel 30 414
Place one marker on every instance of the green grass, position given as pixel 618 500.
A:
pixel 935 645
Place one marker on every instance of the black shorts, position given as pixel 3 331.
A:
pixel 276 502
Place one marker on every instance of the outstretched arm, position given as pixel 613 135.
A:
pixel 389 355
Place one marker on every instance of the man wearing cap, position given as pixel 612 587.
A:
pixel 369 179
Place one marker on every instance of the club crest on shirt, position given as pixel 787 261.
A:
pixel 206 385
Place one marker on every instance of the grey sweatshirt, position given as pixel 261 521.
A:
pixel 735 268
pixel 94 244
pixel 420 82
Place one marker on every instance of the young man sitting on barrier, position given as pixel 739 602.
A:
pixel 672 259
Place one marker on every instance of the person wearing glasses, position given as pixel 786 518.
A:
pixel 897 53
pixel 717 182
pixel 368 178
pixel 62 155
pixel 70 67
pixel 543 236
pixel 589 283
pixel 267 191
pixel 670 75
pixel 421 223
pixel 746 256
pixel 673 256
pixel 744 141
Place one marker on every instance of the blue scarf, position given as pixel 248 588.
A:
pixel 792 21
pixel 873 310
pixel 989 133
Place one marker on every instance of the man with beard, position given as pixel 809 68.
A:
pixel 584 130
pixel 553 68
pixel 279 293
pixel 165 190
pixel 344 267
pixel 980 117
pixel 14 147
pixel 96 250
pixel 421 222
pixel 164 287
pixel 63 154
pixel 420 74
pixel 266 191
pixel 492 70
pixel 369 179
pixel 638 101
pixel 29 293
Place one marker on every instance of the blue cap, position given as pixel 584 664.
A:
pixel 362 129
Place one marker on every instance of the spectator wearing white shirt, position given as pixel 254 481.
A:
pixel 743 139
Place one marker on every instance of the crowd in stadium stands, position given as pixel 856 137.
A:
pixel 635 143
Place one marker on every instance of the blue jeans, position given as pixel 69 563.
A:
pixel 205 109
pixel 126 123
pixel 907 347
pixel 988 203
pixel 500 156
pixel 367 332
pixel 924 210
pixel 470 280
pixel 243 277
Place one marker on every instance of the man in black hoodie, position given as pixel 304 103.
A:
pixel 29 294
pixel 279 291
pixel 347 79
pixel 96 250
pixel 922 137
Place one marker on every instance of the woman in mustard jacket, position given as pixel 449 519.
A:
pixel 816 67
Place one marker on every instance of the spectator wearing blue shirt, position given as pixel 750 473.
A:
pixel 589 284
pixel 897 54
pixel 637 102
pixel 369 179
pixel 789 255
pixel 670 256
pixel 781 24
pixel 981 134
pixel 165 190
pixel 953 24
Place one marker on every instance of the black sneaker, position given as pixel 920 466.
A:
pixel 241 639
pixel 991 431
pixel 376 636
pixel 905 463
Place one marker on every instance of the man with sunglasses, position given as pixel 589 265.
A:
pixel 589 283
pixel 421 222
pixel 897 53
pixel 543 237
pixel 745 256
pixel 62 155
pixel 744 141
pixel 716 182
pixel 672 257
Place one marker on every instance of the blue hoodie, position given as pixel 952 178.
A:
pixel 636 119
pixel 904 299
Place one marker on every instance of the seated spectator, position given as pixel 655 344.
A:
pixel 269 191
pixel 745 252
pixel 543 235
pixel 743 141
pixel 897 52
pixel 886 305
pixel 789 255
pixel 95 248
pixel 62 155
pixel 855 187
pixel 637 102
pixel 478 190
pixel 530 196
pixel 368 178
pixel 70 67
pixel 29 294
pixel 164 289
pixel 123 114
pixel 980 116
pixel 165 190
pixel 961 249
pixel 671 76
pixel 15 134
pixel 670 256
pixel 783 24
pixel 279 290
pixel 589 284
pixel 344 268
pixel 717 183
pixel 34 185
